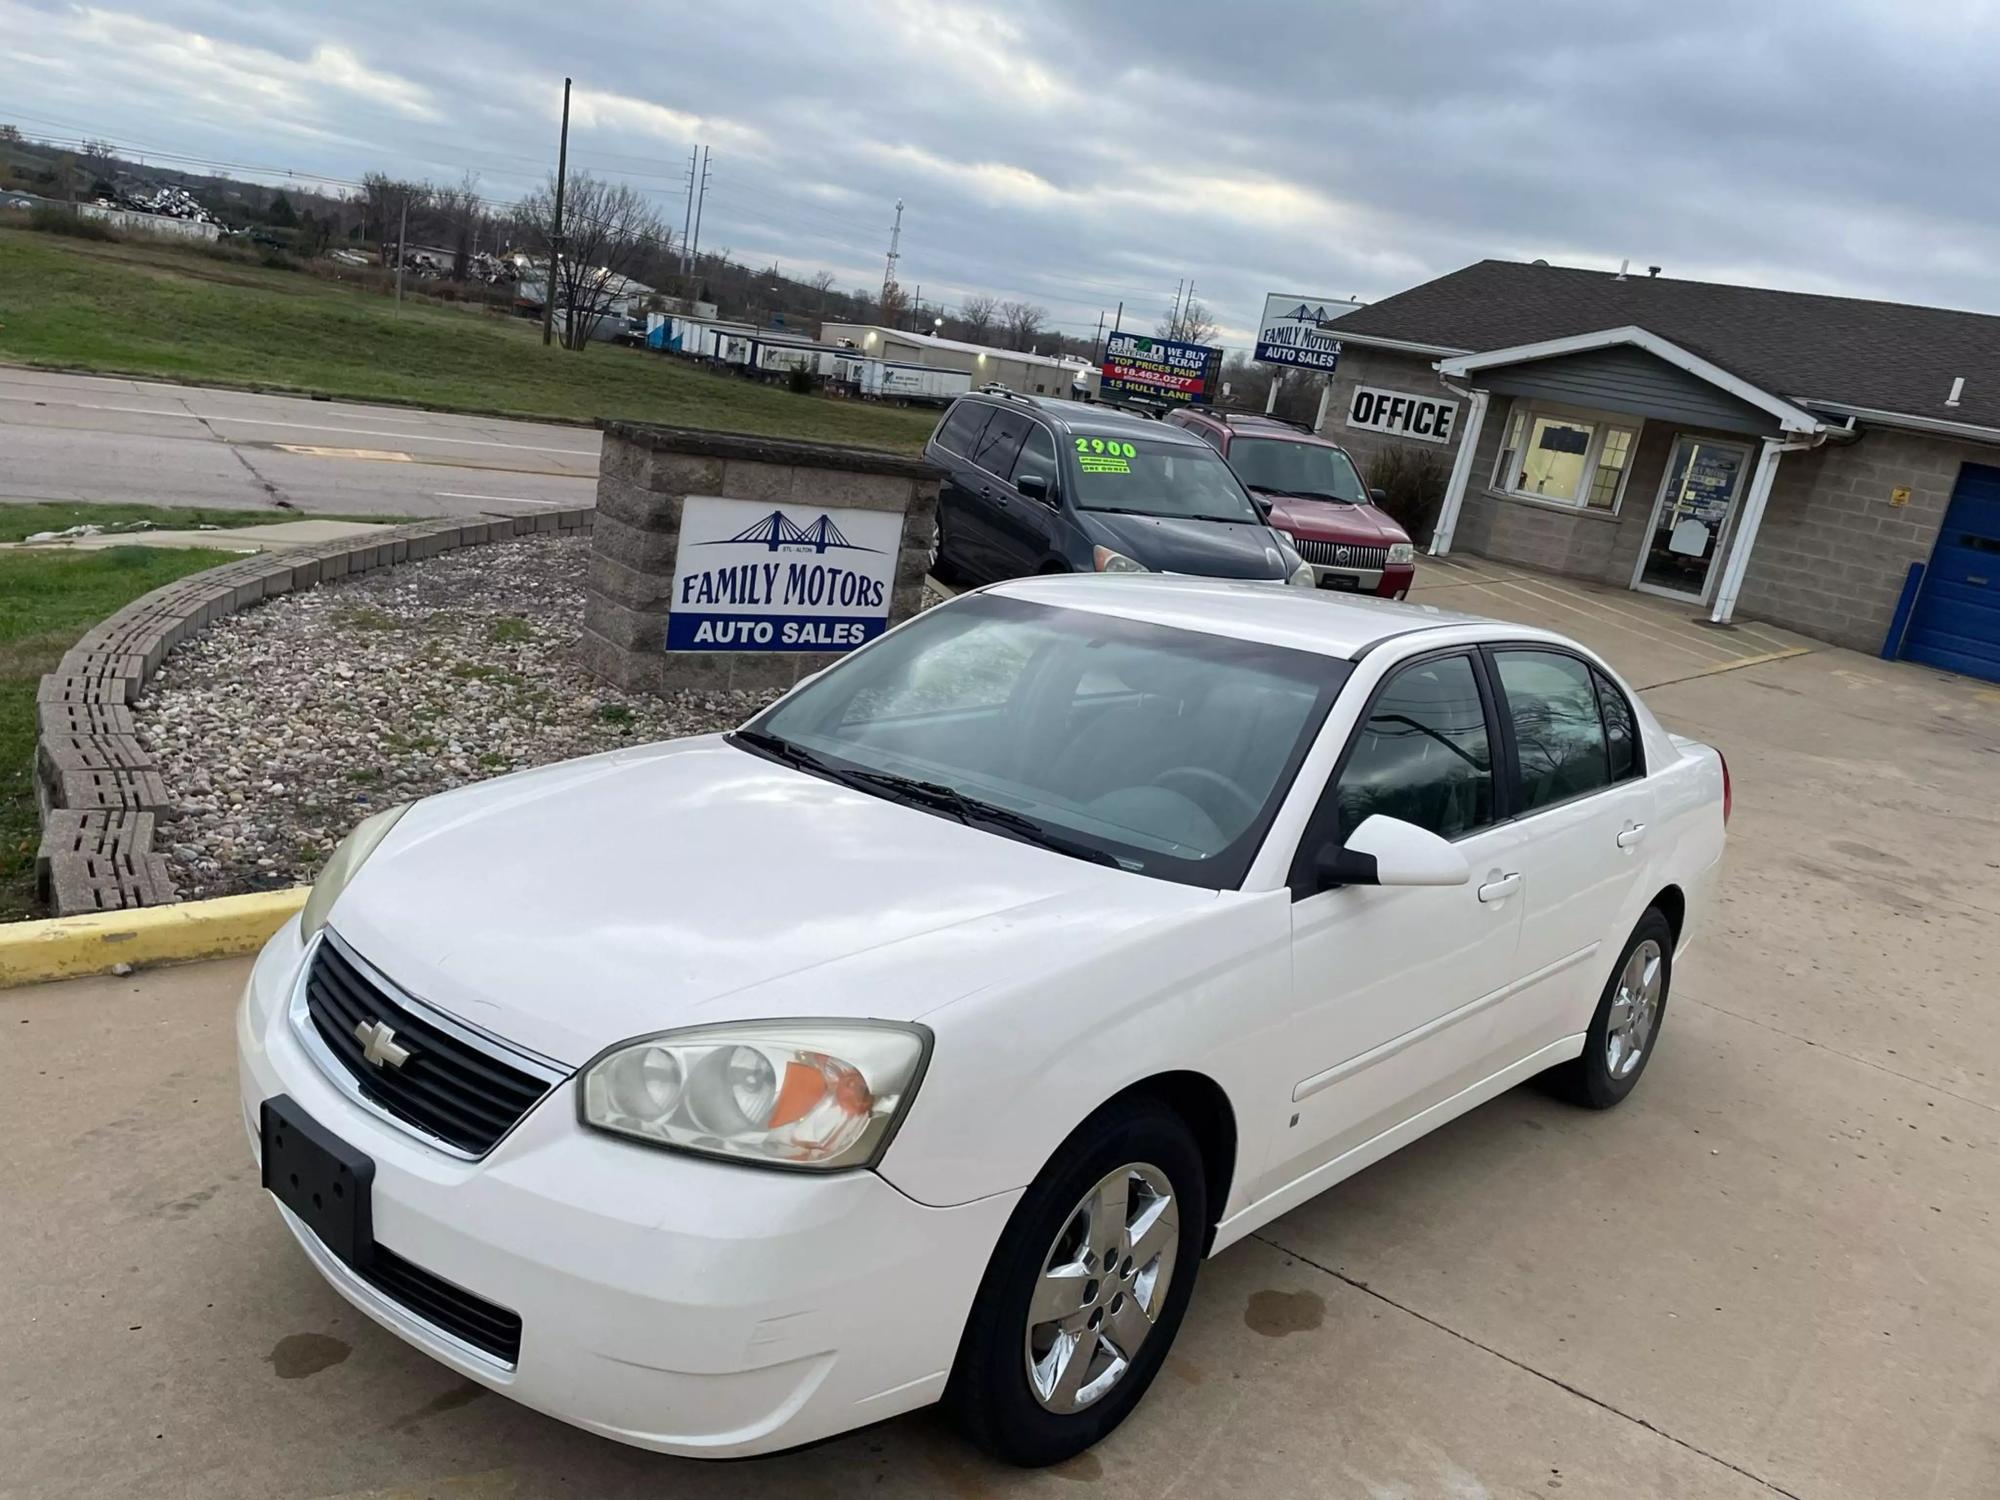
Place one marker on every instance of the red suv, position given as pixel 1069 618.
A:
pixel 1315 497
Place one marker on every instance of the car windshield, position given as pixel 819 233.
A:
pixel 1310 469
pixel 1162 751
pixel 1148 477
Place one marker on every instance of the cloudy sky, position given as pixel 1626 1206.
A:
pixel 1078 154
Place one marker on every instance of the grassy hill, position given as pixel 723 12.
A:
pixel 182 313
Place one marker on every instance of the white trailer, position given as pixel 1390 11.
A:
pixel 889 380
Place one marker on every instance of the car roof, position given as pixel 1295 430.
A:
pixel 1257 425
pixel 1089 418
pixel 1342 625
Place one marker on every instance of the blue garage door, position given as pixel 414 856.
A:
pixel 1956 624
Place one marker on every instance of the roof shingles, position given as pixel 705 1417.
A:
pixel 1887 356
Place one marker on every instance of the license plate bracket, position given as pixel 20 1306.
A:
pixel 327 1183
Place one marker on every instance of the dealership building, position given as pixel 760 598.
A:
pixel 1759 454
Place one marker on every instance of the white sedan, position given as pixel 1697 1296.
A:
pixel 918 1040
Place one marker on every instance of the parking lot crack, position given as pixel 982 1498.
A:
pixel 1528 1369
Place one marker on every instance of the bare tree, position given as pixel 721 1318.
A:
pixel 895 304
pixel 1195 324
pixel 978 313
pixel 607 227
pixel 10 135
pixel 463 212
pixel 389 200
pixel 98 157
pixel 1022 321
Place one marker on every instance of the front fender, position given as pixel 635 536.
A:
pixel 1017 1067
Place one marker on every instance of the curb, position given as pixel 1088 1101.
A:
pixel 71 947
pixel 100 791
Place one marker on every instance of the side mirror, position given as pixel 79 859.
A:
pixel 1388 851
pixel 1379 495
pixel 1035 487
pixel 1263 503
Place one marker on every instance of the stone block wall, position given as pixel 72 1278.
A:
pixel 644 478
pixel 100 790
pixel 1832 553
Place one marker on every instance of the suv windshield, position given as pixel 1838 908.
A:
pixel 1163 751
pixel 1310 469
pixel 1147 477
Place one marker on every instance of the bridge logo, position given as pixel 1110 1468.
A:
pixel 776 533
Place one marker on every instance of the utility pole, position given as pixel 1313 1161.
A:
pixel 687 219
pixel 694 246
pixel 1097 340
pixel 895 254
pixel 402 240
pixel 1174 317
pixel 1118 318
pixel 556 239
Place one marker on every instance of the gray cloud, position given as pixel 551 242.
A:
pixel 1080 154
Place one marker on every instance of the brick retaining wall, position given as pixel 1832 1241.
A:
pixel 100 791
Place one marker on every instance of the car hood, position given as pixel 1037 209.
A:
pixel 1328 521
pixel 1209 549
pixel 572 907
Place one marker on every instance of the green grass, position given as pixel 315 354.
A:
pixel 19 520
pixel 174 313
pixel 47 600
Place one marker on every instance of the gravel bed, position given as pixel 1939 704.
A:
pixel 279 729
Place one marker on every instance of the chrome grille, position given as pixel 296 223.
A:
pixel 1342 555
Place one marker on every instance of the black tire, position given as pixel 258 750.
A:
pixel 989 1395
pixel 1590 1080
pixel 944 568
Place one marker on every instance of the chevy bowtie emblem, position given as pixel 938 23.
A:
pixel 379 1045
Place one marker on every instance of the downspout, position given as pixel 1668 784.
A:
pixel 1461 466
pixel 1773 450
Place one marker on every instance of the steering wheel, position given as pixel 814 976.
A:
pixel 1205 788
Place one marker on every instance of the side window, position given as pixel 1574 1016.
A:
pixel 1207 434
pixel 1000 441
pixel 961 429
pixel 1038 455
pixel 1423 754
pixel 1621 731
pixel 1558 734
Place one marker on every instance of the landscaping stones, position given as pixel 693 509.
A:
pixel 277 730
pixel 101 793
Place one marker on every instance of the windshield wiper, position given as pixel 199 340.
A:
pixel 973 812
pixel 932 794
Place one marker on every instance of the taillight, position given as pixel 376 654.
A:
pixel 1727 796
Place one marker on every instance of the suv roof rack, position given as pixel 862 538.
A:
pixel 1229 418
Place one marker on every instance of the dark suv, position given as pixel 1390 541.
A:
pixel 1034 484
pixel 1311 492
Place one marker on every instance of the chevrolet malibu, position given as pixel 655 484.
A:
pixel 919 1040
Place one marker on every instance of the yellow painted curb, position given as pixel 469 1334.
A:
pixel 69 947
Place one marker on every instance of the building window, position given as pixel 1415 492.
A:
pixel 1571 458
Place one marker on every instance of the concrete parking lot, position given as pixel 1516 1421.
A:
pixel 1772 1272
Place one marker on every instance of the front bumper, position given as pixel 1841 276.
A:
pixel 686 1306
pixel 1390 582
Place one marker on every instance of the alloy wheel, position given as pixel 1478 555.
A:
pixel 1635 1011
pixel 1102 1287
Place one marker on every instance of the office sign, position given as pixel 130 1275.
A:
pixel 1429 419
pixel 749 576
pixel 1151 369
pixel 1298 331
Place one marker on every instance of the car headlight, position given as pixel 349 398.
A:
pixel 347 858
pixel 1302 577
pixel 1402 552
pixel 1116 562
pixel 821 1095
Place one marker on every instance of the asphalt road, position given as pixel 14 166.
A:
pixel 86 437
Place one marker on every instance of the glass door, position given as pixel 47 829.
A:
pixel 1704 480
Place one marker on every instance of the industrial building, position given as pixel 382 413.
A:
pixel 1031 374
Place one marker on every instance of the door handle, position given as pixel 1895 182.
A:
pixel 1633 833
pixel 1501 889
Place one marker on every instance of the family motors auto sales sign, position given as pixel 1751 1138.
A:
pixel 751 577
pixel 1297 331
